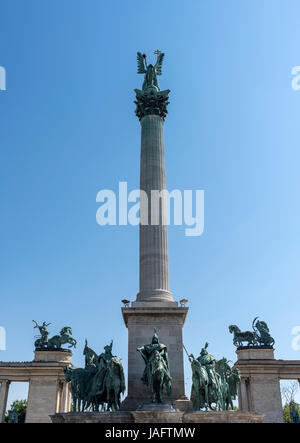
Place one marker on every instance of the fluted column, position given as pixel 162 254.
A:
pixel 154 263
pixel 3 398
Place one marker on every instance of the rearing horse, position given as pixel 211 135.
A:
pixel 64 337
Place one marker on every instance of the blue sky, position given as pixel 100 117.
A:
pixel 68 130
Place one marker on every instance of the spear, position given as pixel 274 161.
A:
pixel 189 355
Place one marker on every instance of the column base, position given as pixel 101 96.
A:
pixel 155 295
pixel 260 383
pixel 141 319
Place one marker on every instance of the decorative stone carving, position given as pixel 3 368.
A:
pixel 151 102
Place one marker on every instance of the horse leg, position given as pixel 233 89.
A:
pixel 206 396
pixel 160 388
pixel 197 398
pixel 117 399
pixel 153 391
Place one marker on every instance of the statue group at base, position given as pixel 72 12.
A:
pixel 214 382
pixel 44 342
pixel 99 385
pixel 156 373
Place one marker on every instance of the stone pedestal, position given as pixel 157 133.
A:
pixel 93 417
pixel 47 391
pixel 259 390
pixel 141 318
pixel 222 417
pixel 157 413
pixel 3 398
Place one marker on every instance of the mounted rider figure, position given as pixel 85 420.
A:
pixel 148 354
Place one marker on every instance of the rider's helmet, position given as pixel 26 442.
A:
pixel 155 340
pixel 108 348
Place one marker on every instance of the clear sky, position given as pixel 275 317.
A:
pixel 68 130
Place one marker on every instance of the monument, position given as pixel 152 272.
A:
pixel 259 389
pixel 155 388
pixel 154 306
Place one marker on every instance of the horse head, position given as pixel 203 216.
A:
pixel 68 373
pixel 67 330
pixel 234 329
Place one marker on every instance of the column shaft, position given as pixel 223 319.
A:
pixel 65 401
pixel 3 398
pixel 154 264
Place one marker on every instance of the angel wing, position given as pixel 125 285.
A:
pixel 158 64
pixel 141 64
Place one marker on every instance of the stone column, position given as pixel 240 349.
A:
pixel 154 264
pixel 154 306
pixel 243 395
pixel 260 386
pixel 3 398
pixel 65 401
pixel 45 391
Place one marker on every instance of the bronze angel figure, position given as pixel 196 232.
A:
pixel 150 71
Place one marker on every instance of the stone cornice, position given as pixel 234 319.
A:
pixel 157 313
pixel 284 369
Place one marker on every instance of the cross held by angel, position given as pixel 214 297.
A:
pixel 150 71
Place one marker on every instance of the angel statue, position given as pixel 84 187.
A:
pixel 150 71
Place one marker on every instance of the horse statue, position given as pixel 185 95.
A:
pixel 233 380
pixel 215 394
pixel 229 381
pixel 98 385
pixel 79 379
pixel 114 383
pixel 199 392
pixel 65 337
pixel 239 337
pixel 156 372
pixel 159 377
pixel 209 387
pixel 260 336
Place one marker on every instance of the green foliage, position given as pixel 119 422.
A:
pixel 20 406
pixel 286 412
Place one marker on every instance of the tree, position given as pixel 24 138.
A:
pixel 286 412
pixel 288 394
pixel 20 406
